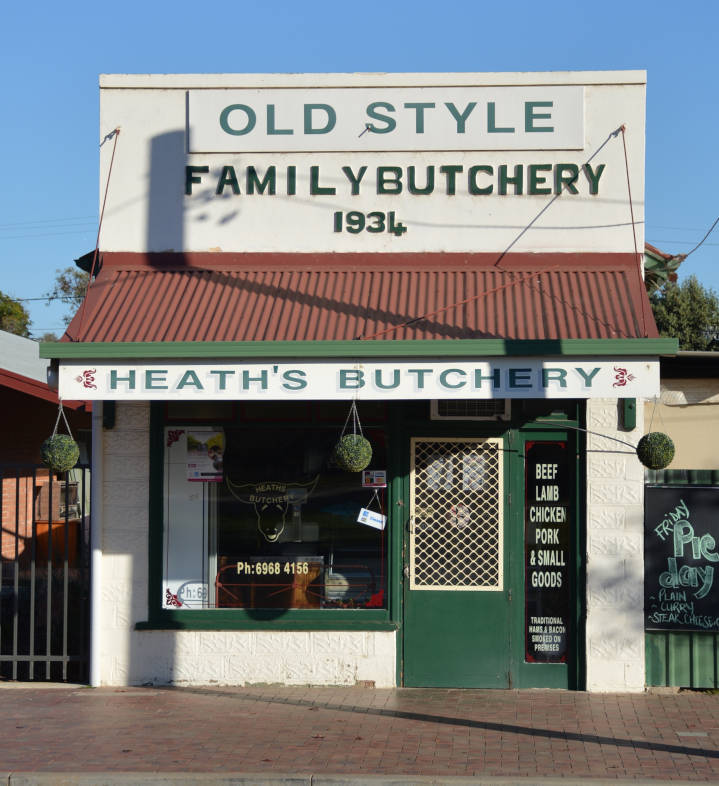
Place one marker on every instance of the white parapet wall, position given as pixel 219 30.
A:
pixel 615 556
pixel 183 179
pixel 131 657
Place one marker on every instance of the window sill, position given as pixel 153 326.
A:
pixel 223 620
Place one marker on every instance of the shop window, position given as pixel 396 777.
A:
pixel 260 517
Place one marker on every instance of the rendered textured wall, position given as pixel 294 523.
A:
pixel 615 555
pixel 688 410
pixel 131 657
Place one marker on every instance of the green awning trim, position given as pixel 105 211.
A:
pixel 490 347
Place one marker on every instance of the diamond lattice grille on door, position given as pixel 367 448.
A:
pixel 456 524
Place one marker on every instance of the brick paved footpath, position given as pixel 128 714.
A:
pixel 275 731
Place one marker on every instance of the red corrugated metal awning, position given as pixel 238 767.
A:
pixel 303 297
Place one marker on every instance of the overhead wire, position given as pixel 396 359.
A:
pixel 47 234
pixel 48 297
pixel 81 311
pixel 70 219
pixel 711 229
pixel 528 276
pixel 683 243
pixel 47 227
pixel 634 230
pixel 629 189
pixel 515 281
pixel 687 242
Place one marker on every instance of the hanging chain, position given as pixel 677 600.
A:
pixel 61 412
pixel 374 497
pixel 356 424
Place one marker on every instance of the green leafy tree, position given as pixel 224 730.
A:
pixel 69 288
pixel 14 318
pixel 688 311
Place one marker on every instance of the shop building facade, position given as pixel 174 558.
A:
pixel 444 262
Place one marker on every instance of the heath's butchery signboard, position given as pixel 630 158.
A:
pixel 379 119
pixel 338 380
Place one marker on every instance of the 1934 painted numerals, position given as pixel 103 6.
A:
pixel 355 222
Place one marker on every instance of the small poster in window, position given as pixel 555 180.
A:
pixel 374 478
pixel 205 451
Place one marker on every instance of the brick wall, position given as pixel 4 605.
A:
pixel 25 422
pixel 18 494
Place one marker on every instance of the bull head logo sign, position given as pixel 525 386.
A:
pixel 271 501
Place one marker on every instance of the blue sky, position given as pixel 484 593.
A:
pixel 52 54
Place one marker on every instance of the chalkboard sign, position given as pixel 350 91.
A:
pixel 546 552
pixel 681 558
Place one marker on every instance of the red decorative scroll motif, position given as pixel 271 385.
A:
pixel 172 600
pixel 87 378
pixel 622 376
pixel 173 435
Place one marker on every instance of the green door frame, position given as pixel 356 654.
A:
pixel 571 674
pixel 516 434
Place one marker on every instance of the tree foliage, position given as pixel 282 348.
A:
pixel 687 311
pixel 69 288
pixel 14 317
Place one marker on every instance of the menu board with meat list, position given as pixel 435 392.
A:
pixel 546 551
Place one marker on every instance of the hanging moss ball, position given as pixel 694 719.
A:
pixel 59 452
pixel 353 453
pixel 655 450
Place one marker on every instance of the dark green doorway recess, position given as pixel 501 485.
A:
pixel 463 565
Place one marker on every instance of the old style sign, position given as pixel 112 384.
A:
pixel 549 117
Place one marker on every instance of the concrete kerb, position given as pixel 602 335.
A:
pixel 10 685
pixel 262 779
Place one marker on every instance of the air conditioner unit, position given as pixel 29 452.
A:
pixel 471 409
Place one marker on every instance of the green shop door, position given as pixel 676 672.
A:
pixel 457 604
pixel 490 574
